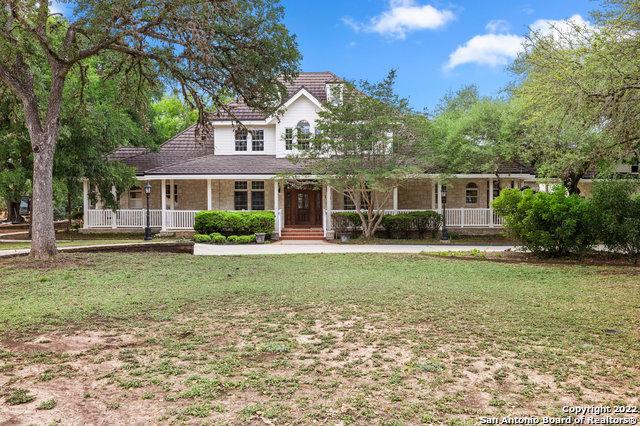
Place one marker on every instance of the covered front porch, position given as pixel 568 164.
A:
pixel 175 200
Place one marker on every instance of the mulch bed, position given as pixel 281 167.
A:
pixel 591 259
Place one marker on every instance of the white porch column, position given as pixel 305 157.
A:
pixel 276 204
pixel 395 200
pixel 163 196
pixel 439 198
pixel 172 203
pixel 114 213
pixel 329 207
pixel 85 203
pixel 208 194
pixel 491 203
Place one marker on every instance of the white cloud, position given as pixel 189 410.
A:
pixel 497 26
pixel 487 49
pixel 497 48
pixel 550 27
pixel 404 16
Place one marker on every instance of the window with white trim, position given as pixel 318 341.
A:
pixel 257 140
pixel 241 196
pixel 303 130
pixel 471 193
pixel 348 203
pixel 288 139
pixel 241 140
pixel 135 197
pixel 167 189
pixel 257 195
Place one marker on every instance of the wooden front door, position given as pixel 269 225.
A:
pixel 303 207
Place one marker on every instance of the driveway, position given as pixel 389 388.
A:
pixel 311 247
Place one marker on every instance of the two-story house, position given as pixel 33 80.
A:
pixel 236 169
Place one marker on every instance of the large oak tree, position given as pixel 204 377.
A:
pixel 208 49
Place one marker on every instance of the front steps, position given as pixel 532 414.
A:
pixel 302 233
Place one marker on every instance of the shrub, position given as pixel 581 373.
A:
pixel 202 238
pixel 247 239
pixel 242 239
pixel 218 238
pixel 554 224
pixel 234 223
pixel 427 222
pixel 399 226
pixel 617 206
pixel 345 222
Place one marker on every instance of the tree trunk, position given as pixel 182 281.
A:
pixel 571 181
pixel 43 238
pixel 69 208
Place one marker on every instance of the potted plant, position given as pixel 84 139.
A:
pixel 260 236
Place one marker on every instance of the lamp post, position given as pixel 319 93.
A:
pixel 445 231
pixel 147 229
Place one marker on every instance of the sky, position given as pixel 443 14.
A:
pixel 436 46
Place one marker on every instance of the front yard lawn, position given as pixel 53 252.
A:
pixel 148 338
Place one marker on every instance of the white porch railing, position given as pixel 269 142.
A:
pixel 471 218
pixel 180 219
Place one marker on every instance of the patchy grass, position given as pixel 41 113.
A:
pixel 384 339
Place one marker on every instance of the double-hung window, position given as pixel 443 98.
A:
pixel 241 140
pixel 471 193
pixel 257 195
pixel 288 139
pixel 257 140
pixel 241 196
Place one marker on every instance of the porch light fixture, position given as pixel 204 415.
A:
pixel 147 228
pixel 445 231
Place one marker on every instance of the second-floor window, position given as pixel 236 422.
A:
pixel 304 133
pixel 241 140
pixel 257 140
pixel 288 139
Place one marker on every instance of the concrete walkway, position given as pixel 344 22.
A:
pixel 311 247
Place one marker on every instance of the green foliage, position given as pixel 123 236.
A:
pixel 471 133
pixel 345 222
pixel 233 239
pixel 617 205
pixel 549 224
pixel 218 238
pixel 48 404
pixel 365 144
pixel 230 222
pixel 202 238
pixel 170 116
pixel 19 396
pixel 400 225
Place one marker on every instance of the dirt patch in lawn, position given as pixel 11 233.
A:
pixel 281 365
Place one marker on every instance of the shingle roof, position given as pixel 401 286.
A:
pixel 229 165
pixel 313 82
pixel 183 147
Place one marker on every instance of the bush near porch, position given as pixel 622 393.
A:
pixel 230 223
pixel 396 226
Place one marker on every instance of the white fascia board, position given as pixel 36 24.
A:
pixel 245 123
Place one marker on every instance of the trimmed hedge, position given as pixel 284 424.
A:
pixel 202 238
pixel 345 222
pixel 241 239
pixel 218 238
pixel 422 222
pixel 234 223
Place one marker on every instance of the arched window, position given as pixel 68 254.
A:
pixel 304 131
pixel 471 193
